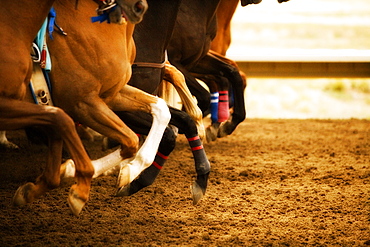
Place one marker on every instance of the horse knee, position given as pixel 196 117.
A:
pixel 60 117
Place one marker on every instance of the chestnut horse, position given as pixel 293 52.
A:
pixel 55 119
pixel 19 24
pixel 99 58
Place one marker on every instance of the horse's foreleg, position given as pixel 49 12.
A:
pixel 186 124
pixel 141 123
pixel 133 99
pixel 96 114
pixel 16 114
pixel 176 78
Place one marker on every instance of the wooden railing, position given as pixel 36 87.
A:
pixel 324 65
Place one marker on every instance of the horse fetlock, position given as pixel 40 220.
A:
pixel 85 173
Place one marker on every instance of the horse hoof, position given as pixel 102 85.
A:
pixel 123 191
pixel 124 177
pixel 21 195
pixel 211 134
pixel 75 202
pixel 196 192
pixel 226 128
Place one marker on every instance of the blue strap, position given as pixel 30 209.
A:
pixel 52 15
pixel 103 17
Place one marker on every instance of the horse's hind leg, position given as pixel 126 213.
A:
pixel 15 114
pixel 50 178
pixel 183 121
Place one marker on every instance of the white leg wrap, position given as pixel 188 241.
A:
pixel 70 169
pixel 132 168
pixel 100 165
pixel 107 162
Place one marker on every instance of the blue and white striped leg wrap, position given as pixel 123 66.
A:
pixel 214 107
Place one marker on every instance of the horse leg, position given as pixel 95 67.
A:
pixel 133 99
pixel 140 123
pixel 4 143
pixel 93 112
pixel 15 114
pixel 50 178
pixel 214 66
pixel 100 117
pixel 176 78
pixel 186 124
pixel 219 87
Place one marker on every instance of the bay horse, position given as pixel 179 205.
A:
pixel 195 28
pixel 151 37
pixel 99 57
pixel 195 60
pixel 219 47
pixel 20 22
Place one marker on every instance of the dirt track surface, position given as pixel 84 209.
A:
pixel 273 183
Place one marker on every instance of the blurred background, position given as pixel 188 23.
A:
pixel 310 30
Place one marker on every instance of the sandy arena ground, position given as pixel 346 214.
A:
pixel 273 183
